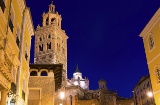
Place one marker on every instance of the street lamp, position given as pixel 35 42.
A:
pixel 62 95
pixel 149 94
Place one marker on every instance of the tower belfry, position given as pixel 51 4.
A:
pixel 51 40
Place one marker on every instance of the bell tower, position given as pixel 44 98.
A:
pixel 51 40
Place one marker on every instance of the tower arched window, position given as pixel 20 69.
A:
pixel 151 42
pixel 40 38
pixel 44 73
pixel 52 20
pixel 47 21
pixel 41 47
pixel 49 36
pixel 48 45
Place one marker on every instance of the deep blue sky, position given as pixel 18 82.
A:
pixel 103 38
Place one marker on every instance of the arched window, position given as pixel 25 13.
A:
pixel 49 36
pixel 52 20
pixel 44 73
pixel 40 39
pixel 33 73
pixel 151 42
pixel 47 21
pixel 41 47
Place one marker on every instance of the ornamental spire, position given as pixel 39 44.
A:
pixel 77 69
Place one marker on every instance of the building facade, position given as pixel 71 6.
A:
pixel 44 80
pixel 16 29
pixel 151 40
pixel 78 80
pixel 51 40
pixel 141 91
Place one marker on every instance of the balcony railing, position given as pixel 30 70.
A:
pixel 11 25
pixel 2 5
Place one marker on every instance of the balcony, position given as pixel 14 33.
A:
pixel 11 25
pixel 2 5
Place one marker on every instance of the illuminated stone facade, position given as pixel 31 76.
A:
pixel 44 80
pixel 16 29
pixel 151 40
pixel 141 90
pixel 51 40
pixel 78 80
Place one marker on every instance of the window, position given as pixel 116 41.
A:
pixel 18 37
pixel 26 52
pixel 158 74
pixel 49 36
pixel 151 42
pixel 52 20
pixel 41 47
pixel 2 5
pixel 49 46
pixel 40 39
pixel 47 21
pixel 23 89
pixel 33 73
pixel 11 19
pixel 44 73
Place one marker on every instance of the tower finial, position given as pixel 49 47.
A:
pixel 77 70
pixel 52 2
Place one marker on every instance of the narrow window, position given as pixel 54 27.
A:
pixel 18 37
pixel 47 21
pixel 151 42
pixel 23 89
pixel 26 52
pixel 2 5
pixel 158 74
pixel 49 36
pixel 40 39
pixel 11 20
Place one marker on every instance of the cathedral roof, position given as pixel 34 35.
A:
pixel 77 69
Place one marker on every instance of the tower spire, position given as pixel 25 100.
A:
pixel 77 69
pixel 51 7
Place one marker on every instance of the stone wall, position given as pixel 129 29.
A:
pixel 46 86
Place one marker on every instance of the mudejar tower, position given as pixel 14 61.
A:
pixel 51 40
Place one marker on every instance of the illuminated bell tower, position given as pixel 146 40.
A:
pixel 51 40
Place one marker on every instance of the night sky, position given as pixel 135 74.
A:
pixel 103 38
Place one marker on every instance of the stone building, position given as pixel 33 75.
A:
pixel 151 40
pixel 51 40
pixel 49 71
pixel 141 91
pixel 78 80
pixel 16 29
pixel 44 80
